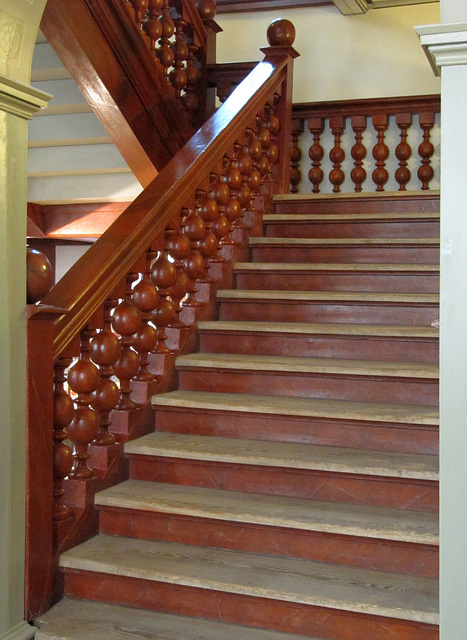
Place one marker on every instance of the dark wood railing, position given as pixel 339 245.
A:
pixel 132 301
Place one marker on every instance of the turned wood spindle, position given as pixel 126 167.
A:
pixel 178 248
pixel 426 149
pixel 64 410
pixel 105 352
pixel 254 150
pixel 195 230
pixel 165 52
pixel 126 321
pixel 316 153
pixel 178 76
pixel 153 26
pixel 164 276
pixel 141 8
pixel 233 211
pixel 190 99
pixel 244 164
pixel 220 193
pixel 337 153
pixel 208 211
pixel 403 150
pixel 295 155
pixel 264 138
pixel 380 152
pixel 145 297
pixel 358 152
pixel 83 379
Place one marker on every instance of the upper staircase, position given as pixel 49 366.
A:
pixel 290 483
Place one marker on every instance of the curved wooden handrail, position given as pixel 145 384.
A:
pixel 96 275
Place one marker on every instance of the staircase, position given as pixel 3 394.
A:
pixel 289 489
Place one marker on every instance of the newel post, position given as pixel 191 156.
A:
pixel 281 36
pixel 40 459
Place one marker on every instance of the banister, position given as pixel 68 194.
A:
pixel 98 272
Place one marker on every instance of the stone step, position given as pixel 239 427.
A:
pixel 346 250
pixel 85 620
pixel 288 276
pixel 352 225
pixel 328 307
pixel 359 380
pixel 339 474
pixel 351 535
pixel 372 342
pixel 365 425
pixel 183 578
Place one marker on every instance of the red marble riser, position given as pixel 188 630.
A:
pixel 334 281
pixel 361 313
pixel 360 254
pixel 397 557
pixel 416 495
pixel 241 609
pixel 377 436
pixel 337 387
pixel 352 229
pixel 321 346
pixel 380 203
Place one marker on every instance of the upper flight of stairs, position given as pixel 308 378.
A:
pixel 289 490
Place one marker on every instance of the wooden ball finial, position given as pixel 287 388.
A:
pixel 40 276
pixel 281 33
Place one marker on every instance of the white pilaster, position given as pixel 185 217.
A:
pixel 446 47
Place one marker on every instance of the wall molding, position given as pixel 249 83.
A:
pixel 21 99
pixel 21 631
pixel 444 44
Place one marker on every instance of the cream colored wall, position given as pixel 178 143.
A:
pixel 342 57
pixel 19 21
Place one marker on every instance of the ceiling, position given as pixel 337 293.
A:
pixel 346 7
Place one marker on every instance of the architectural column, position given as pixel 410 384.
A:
pixel 446 48
pixel 19 22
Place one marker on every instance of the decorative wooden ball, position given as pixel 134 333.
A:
pixel 281 33
pixel 40 276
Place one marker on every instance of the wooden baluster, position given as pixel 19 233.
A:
pixel 153 26
pixel 403 150
pixel 179 248
pixel 190 99
pixel 295 156
pixel 208 211
pixel 254 150
pixel 140 7
pixel 220 193
pixel 164 276
pixel 145 297
pixel 83 379
pixel 273 125
pixel 316 153
pixel 178 76
pixel 64 410
pixel 337 153
pixel 358 152
pixel 380 152
pixel 233 211
pixel 194 229
pixel 126 321
pixel 165 52
pixel 105 352
pixel 244 164
pixel 264 138
pixel 426 149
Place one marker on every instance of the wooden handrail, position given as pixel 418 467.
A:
pixel 94 277
pixel 365 106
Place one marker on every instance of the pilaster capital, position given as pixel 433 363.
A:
pixel 444 44
pixel 21 99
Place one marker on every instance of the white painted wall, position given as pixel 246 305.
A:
pixel 342 57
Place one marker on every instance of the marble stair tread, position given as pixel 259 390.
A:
pixel 288 364
pixel 279 579
pixel 300 407
pixel 339 217
pixel 264 241
pixel 320 267
pixel 85 620
pixel 376 330
pixel 286 455
pixel 329 296
pixel 293 513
